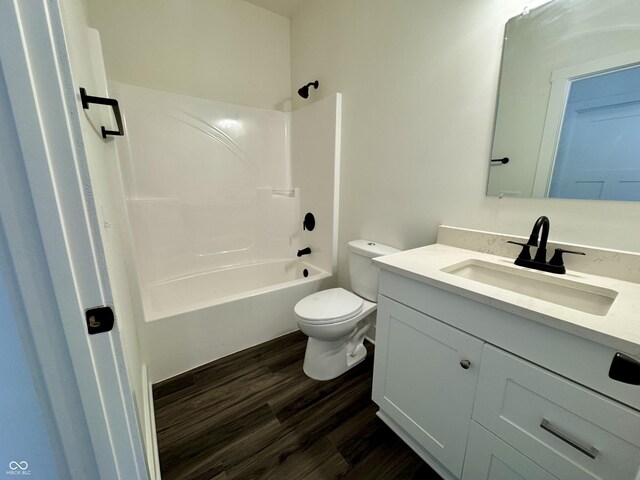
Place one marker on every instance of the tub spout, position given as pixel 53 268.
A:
pixel 304 251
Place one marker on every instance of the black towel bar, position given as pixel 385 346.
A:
pixel 112 102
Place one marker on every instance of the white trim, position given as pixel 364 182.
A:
pixel 560 84
pixel 45 111
pixel 151 439
pixel 598 66
pixel 336 185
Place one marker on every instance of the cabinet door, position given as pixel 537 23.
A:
pixel 420 379
pixel 489 458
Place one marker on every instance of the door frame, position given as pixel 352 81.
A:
pixel 45 109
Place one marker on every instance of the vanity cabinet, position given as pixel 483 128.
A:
pixel 481 393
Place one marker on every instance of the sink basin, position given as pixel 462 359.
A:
pixel 561 291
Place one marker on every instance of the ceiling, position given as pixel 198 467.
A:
pixel 286 8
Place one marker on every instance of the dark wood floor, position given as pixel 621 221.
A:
pixel 255 414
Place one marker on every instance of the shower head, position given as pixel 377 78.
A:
pixel 304 91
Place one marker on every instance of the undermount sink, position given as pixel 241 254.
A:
pixel 558 290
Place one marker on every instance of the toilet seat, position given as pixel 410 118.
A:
pixel 328 306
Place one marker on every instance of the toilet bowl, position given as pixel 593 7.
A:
pixel 336 320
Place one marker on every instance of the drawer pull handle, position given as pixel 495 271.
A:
pixel 588 451
pixel 465 364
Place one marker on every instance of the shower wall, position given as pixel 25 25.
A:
pixel 315 150
pixel 208 183
pixel 211 185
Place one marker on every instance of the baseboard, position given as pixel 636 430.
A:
pixel 150 438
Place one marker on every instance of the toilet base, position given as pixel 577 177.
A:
pixel 328 359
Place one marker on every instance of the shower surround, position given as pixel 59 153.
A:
pixel 215 195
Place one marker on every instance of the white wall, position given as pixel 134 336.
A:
pixel 227 50
pixel 419 83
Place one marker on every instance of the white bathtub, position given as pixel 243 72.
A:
pixel 197 319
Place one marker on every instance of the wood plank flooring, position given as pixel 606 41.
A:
pixel 255 414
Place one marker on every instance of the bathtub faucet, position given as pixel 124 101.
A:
pixel 304 251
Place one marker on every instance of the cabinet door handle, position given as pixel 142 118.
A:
pixel 465 364
pixel 588 451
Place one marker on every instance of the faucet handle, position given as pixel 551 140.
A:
pixel 557 260
pixel 524 254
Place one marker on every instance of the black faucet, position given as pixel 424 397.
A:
pixel 541 253
pixel 539 262
pixel 304 251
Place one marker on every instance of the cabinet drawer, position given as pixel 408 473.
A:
pixel 489 458
pixel 556 423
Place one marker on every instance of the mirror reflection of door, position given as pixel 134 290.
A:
pixel 598 154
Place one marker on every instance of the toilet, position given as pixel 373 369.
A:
pixel 337 320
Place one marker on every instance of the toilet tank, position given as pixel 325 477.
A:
pixel 363 273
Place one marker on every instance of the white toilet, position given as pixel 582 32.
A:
pixel 337 320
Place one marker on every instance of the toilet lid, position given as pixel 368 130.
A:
pixel 328 306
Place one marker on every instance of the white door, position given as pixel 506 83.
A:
pixel 598 154
pixel 25 442
pixel 61 229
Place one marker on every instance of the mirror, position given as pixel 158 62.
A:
pixel 568 113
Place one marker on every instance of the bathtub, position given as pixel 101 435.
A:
pixel 194 320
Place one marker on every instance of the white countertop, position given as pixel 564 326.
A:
pixel 618 329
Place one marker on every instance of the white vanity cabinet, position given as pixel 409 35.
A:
pixel 481 393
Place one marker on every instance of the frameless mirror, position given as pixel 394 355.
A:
pixel 568 114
